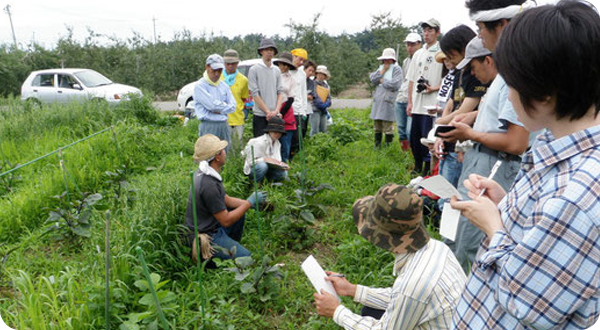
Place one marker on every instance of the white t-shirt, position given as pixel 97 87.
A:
pixel 423 64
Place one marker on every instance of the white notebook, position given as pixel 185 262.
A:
pixel 316 275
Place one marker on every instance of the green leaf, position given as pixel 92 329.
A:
pixel 155 278
pixel 307 216
pixel 244 262
pixel 147 300
pixel 85 216
pixel 93 199
pixel 142 285
pixel 81 231
pixel 247 288
pixel 54 216
pixel 242 276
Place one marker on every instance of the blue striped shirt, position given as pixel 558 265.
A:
pixel 424 294
pixel 543 270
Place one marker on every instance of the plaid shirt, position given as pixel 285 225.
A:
pixel 543 270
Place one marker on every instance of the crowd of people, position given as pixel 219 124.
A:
pixel 523 92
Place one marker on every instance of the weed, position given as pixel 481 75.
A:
pixel 71 218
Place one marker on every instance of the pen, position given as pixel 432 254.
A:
pixel 492 173
pixel 337 275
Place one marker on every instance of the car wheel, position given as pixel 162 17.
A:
pixel 32 104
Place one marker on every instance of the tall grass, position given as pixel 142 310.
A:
pixel 48 284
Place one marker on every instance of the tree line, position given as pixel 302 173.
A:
pixel 165 66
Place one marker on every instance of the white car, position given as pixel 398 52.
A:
pixel 66 85
pixel 185 97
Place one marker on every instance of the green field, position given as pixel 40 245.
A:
pixel 52 250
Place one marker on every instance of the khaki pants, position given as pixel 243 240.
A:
pixel 383 126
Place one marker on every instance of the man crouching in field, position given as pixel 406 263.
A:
pixel 220 217
pixel 429 282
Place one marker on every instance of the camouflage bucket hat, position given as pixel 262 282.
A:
pixel 392 219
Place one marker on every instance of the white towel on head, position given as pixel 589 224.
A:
pixel 500 13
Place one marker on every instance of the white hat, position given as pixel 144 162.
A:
pixel 323 69
pixel 474 49
pixel 388 54
pixel 413 37
pixel 216 62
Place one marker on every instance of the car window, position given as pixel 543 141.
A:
pixel 43 80
pixel 66 81
pixel 91 78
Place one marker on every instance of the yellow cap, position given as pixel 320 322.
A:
pixel 300 52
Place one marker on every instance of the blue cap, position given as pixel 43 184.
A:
pixel 216 62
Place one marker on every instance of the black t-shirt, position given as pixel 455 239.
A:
pixel 466 85
pixel 210 199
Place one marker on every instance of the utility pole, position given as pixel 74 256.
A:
pixel 7 10
pixel 154 24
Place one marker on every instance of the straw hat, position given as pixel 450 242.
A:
pixel 440 57
pixel 207 146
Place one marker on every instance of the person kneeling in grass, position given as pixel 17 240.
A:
pixel 220 216
pixel 430 279
pixel 267 154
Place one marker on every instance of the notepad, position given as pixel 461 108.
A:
pixel 316 275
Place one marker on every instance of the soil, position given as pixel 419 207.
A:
pixel 358 91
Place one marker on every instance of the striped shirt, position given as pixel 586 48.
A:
pixel 424 295
pixel 543 270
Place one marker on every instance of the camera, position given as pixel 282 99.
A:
pixel 421 84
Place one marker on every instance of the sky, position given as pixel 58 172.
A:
pixel 46 21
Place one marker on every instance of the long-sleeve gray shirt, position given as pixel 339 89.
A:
pixel 265 82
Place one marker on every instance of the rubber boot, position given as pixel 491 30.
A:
pixel 378 136
pixel 388 139
pixel 404 144
pixel 426 168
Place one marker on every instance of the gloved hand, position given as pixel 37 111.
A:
pixel 257 198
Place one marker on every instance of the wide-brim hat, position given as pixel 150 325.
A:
pixel 392 219
pixel 276 124
pixel 323 69
pixel 267 43
pixel 208 146
pixel 388 54
pixel 287 58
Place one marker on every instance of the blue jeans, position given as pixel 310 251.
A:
pixel 286 145
pixel 318 122
pixel 230 237
pixel 403 121
pixel 263 170
pixel 450 169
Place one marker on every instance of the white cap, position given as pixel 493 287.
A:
pixel 388 54
pixel 216 62
pixel 413 37
pixel 474 49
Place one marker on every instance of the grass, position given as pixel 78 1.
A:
pixel 56 284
